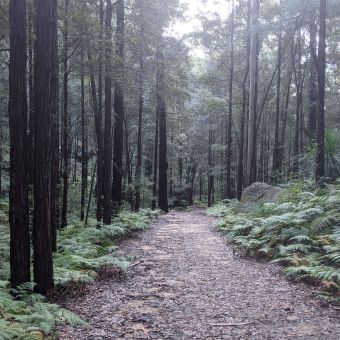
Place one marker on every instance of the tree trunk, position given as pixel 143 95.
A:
pixel 83 137
pixel 155 161
pixel 240 172
pixel 65 118
pixel 312 95
pixel 55 154
pixel 18 199
pixel 119 110
pixel 276 154
pixel 163 162
pixel 253 68
pixel 107 156
pixel 43 267
pixel 140 131
pixel 321 67
pixel 230 115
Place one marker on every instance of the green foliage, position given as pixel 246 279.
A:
pixel 29 315
pixel 301 231
pixel 82 251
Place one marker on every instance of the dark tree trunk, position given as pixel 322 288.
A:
pixel 54 125
pixel 163 162
pixel 107 156
pixel 140 131
pixel 119 110
pixel 30 154
pixel 276 154
pixel 65 118
pixel 321 67
pixel 43 267
pixel 83 138
pixel 99 116
pixel 210 171
pixel 155 162
pixel 18 199
pixel 229 193
pixel 99 137
pixel 312 95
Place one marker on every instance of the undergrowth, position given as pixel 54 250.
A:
pixel 82 252
pixel 301 231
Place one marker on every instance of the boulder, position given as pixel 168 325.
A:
pixel 259 193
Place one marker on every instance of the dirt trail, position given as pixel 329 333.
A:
pixel 187 284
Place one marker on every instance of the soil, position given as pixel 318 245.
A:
pixel 185 282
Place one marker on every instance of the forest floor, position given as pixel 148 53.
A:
pixel 187 283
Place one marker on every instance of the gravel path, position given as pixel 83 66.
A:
pixel 186 284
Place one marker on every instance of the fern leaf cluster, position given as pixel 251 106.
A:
pixel 300 231
pixel 82 251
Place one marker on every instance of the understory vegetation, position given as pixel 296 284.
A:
pixel 82 252
pixel 301 231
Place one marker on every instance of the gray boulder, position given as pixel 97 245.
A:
pixel 259 193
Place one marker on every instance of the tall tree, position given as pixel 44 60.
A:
pixel 18 212
pixel 138 174
pixel 42 238
pixel 65 116
pixel 240 172
pixel 321 67
pixel 83 135
pixel 55 153
pixel 229 193
pixel 107 156
pixel 253 68
pixel 119 109
pixel 161 108
pixel 276 151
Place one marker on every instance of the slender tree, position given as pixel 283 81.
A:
pixel 65 116
pixel 229 193
pixel 119 109
pixel 276 153
pixel 321 67
pixel 107 156
pixel 18 211
pixel 161 108
pixel 252 121
pixel 83 135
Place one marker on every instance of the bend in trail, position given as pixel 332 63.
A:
pixel 187 284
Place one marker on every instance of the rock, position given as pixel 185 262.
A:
pixel 259 193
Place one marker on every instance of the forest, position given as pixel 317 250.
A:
pixel 193 129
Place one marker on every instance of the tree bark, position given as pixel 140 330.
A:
pixel 253 68
pixel 229 193
pixel 321 67
pixel 240 172
pixel 161 108
pixel 119 110
pixel 155 162
pixel 107 156
pixel 65 118
pixel 83 137
pixel 55 154
pixel 140 132
pixel 18 199
pixel 43 267
pixel 276 155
